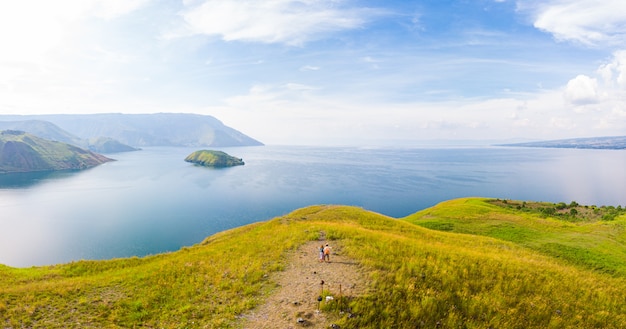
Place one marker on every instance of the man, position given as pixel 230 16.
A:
pixel 327 253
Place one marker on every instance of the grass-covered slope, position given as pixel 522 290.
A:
pixel 419 278
pixel 23 152
pixel 591 237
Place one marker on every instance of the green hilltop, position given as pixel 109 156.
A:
pixel 23 152
pixel 465 263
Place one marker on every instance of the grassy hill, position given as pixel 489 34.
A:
pixel 23 152
pixel 418 277
pixel 590 237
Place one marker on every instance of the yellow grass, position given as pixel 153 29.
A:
pixel 418 278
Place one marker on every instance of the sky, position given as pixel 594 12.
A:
pixel 333 72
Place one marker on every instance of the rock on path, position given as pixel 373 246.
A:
pixel 294 303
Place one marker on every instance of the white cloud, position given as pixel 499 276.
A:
pixel 582 90
pixel 614 72
pixel 44 48
pixel 31 28
pixel 291 22
pixel 370 59
pixel 294 113
pixel 113 8
pixel 296 116
pixel 309 68
pixel 600 100
pixel 589 22
pixel 608 90
pixel 28 30
pixel 562 123
pixel 298 87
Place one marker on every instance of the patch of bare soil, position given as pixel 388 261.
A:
pixel 295 304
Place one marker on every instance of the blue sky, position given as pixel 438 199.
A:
pixel 335 72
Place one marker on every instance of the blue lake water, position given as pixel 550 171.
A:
pixel 152 201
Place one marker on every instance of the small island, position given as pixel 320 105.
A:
pixel 215 159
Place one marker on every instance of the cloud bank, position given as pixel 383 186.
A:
pixel 590 22
pixel 291 22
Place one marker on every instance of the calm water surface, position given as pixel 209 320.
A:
pixel 152 201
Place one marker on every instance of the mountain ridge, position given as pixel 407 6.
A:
pixel 50 131
pixel 139 130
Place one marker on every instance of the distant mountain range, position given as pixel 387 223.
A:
pixel 24 152
pixel 50 131
pixel 136 130
pixel 611 142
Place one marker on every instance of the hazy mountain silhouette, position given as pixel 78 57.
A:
pixel 160 129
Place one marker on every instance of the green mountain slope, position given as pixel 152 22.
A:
pixel 418 278
pixel 23 152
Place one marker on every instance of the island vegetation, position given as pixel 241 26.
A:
pixel 23 152
pixel 211 158
pixel 464 263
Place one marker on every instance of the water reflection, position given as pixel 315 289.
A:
pixel 30 179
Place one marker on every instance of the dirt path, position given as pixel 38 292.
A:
pixel 295 304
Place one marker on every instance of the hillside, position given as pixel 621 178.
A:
pixel 50 131
pixel 416 277
pixel 588 236
pixel 109 145
pixel 45 130
pixel 23 152
pixel 139 130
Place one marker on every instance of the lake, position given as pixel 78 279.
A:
pixel 151 201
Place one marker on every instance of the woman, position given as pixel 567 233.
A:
pixel 321 253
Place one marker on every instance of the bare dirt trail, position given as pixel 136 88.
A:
pixel 295 302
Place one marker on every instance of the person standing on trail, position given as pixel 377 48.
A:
pixel 321 250
pixel 327 253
